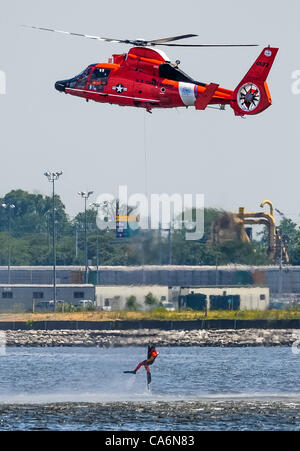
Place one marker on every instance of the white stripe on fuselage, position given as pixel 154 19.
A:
pixel 113 95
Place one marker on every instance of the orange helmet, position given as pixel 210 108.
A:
pixel 154 354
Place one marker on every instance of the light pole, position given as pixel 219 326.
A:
pixel 97 206
pixel 76 239
pixel 47 214
pixel 159 245
pixel 10 207
pixel 85 195
pixel 52 177
pixel 170 245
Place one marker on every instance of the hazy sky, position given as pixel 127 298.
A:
pixel 234 162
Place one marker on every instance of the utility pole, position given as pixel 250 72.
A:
pixel 76 240
pixel 48 230
pixel 97 206
pixel 170 245
pixel 217 271
pixel 10 207
pixel 85 195
pixel 159 245
pixel 53 177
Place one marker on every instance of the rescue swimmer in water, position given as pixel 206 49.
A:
pixel 151 356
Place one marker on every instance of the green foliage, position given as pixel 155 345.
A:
pixel 32 213
pixel 151 301
pixel 29 323
pixel 160 312
pixel 291 234
pixel 132 305
pixel 65 307
pixel 68 307
pixel 90 308
pixel 31 243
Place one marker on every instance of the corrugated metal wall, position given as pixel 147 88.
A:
pixel 41 275
pixel 285 280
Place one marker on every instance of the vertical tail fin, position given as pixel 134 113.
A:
pixel 252 95
pixel 262 66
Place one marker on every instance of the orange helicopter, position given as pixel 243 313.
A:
pixel 145 77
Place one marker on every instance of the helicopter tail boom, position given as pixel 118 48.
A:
pixel 252 95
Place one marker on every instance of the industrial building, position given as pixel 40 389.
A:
pixel 115 284
pixel 225 298
pixel 24 298
pixel 281 281
pixel 115 297
pixel 197 298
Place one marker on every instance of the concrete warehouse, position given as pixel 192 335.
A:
pixel 279 280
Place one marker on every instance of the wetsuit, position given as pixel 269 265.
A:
pixel 152 354
pixel 149 361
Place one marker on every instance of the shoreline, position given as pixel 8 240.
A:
pixel 141 337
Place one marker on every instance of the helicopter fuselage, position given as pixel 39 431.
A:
pixel 141 78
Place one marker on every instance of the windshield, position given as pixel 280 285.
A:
pixel 99 79
pixel 93 78
pixel 82 78
pixel 79 80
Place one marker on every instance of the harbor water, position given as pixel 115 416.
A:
pixel 192 389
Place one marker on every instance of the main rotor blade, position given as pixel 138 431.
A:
pixel 141 42
pixel 210 45
pixel 99 38
pixel 174 38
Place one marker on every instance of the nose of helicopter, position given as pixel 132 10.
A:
pixel 60 86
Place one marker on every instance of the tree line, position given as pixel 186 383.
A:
pixel 31 231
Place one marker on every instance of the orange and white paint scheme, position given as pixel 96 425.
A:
pixel 144 77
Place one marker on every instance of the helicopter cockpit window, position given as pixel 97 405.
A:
pixel 99 79
pixel 82 78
